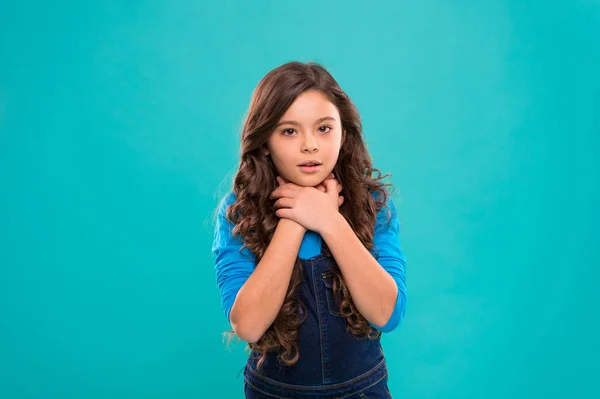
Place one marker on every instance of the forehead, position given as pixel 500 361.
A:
pixel 309 106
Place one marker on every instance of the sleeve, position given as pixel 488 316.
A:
pixel 386 241
pixel 232 267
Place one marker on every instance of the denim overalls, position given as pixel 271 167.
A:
pixel 333 363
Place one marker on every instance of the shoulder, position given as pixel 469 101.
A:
pixel 387 212
pixel 223 226
pixel 224 241
pixel 386 234
pixel 386 226
pixel 225 202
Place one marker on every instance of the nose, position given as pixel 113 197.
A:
pixel 310 144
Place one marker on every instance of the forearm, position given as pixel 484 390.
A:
pixel 260 298
pixel 373 290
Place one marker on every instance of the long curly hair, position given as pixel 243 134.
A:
pixel 253 214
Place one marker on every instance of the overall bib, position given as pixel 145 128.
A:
pixel 333 363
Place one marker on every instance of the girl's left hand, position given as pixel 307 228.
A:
pixel 313 208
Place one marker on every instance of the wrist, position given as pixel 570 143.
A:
pixel 292 226
pixel 332 226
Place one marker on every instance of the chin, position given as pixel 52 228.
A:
pixel 309 180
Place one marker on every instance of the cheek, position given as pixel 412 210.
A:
pixel 333 148
pixel 335 140
pixel 280 160
pixel 278 165
pixel 281 155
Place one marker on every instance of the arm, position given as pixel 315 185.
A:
pixel 252 296
pixel 259 300
pixel 378 287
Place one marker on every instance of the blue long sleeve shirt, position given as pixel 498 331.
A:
pixel 233 268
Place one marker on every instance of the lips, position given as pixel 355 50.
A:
pixel 310 167
pixel 311 162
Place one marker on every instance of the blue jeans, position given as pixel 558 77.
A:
pixel 332 363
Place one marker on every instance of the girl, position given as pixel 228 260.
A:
pixel 307 251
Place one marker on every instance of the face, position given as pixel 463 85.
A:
pixel 310 130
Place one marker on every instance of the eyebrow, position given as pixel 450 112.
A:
pixel 297 124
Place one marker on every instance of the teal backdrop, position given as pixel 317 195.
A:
pixel 119 128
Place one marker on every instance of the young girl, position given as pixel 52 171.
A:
pixel 307 250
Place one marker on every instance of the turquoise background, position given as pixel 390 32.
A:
pixel 119 125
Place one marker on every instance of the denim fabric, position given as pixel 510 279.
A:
pixel 332 363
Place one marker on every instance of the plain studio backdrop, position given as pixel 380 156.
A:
pixel 119 131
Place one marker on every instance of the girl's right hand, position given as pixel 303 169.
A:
pixel 321 188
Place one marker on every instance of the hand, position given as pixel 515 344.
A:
pixel 321 188
pixel 312 207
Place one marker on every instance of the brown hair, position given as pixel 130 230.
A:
pixel 253 213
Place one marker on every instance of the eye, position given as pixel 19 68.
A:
pixel 326 127
pixel 286 131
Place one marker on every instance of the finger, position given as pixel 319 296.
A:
pixel 331 187
pixel 280 193
pixel 339 188
pixel 286 213
pixel 340 200
pixel 284 203
pixel 287 190
pixel 331 176
pixel 321 188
